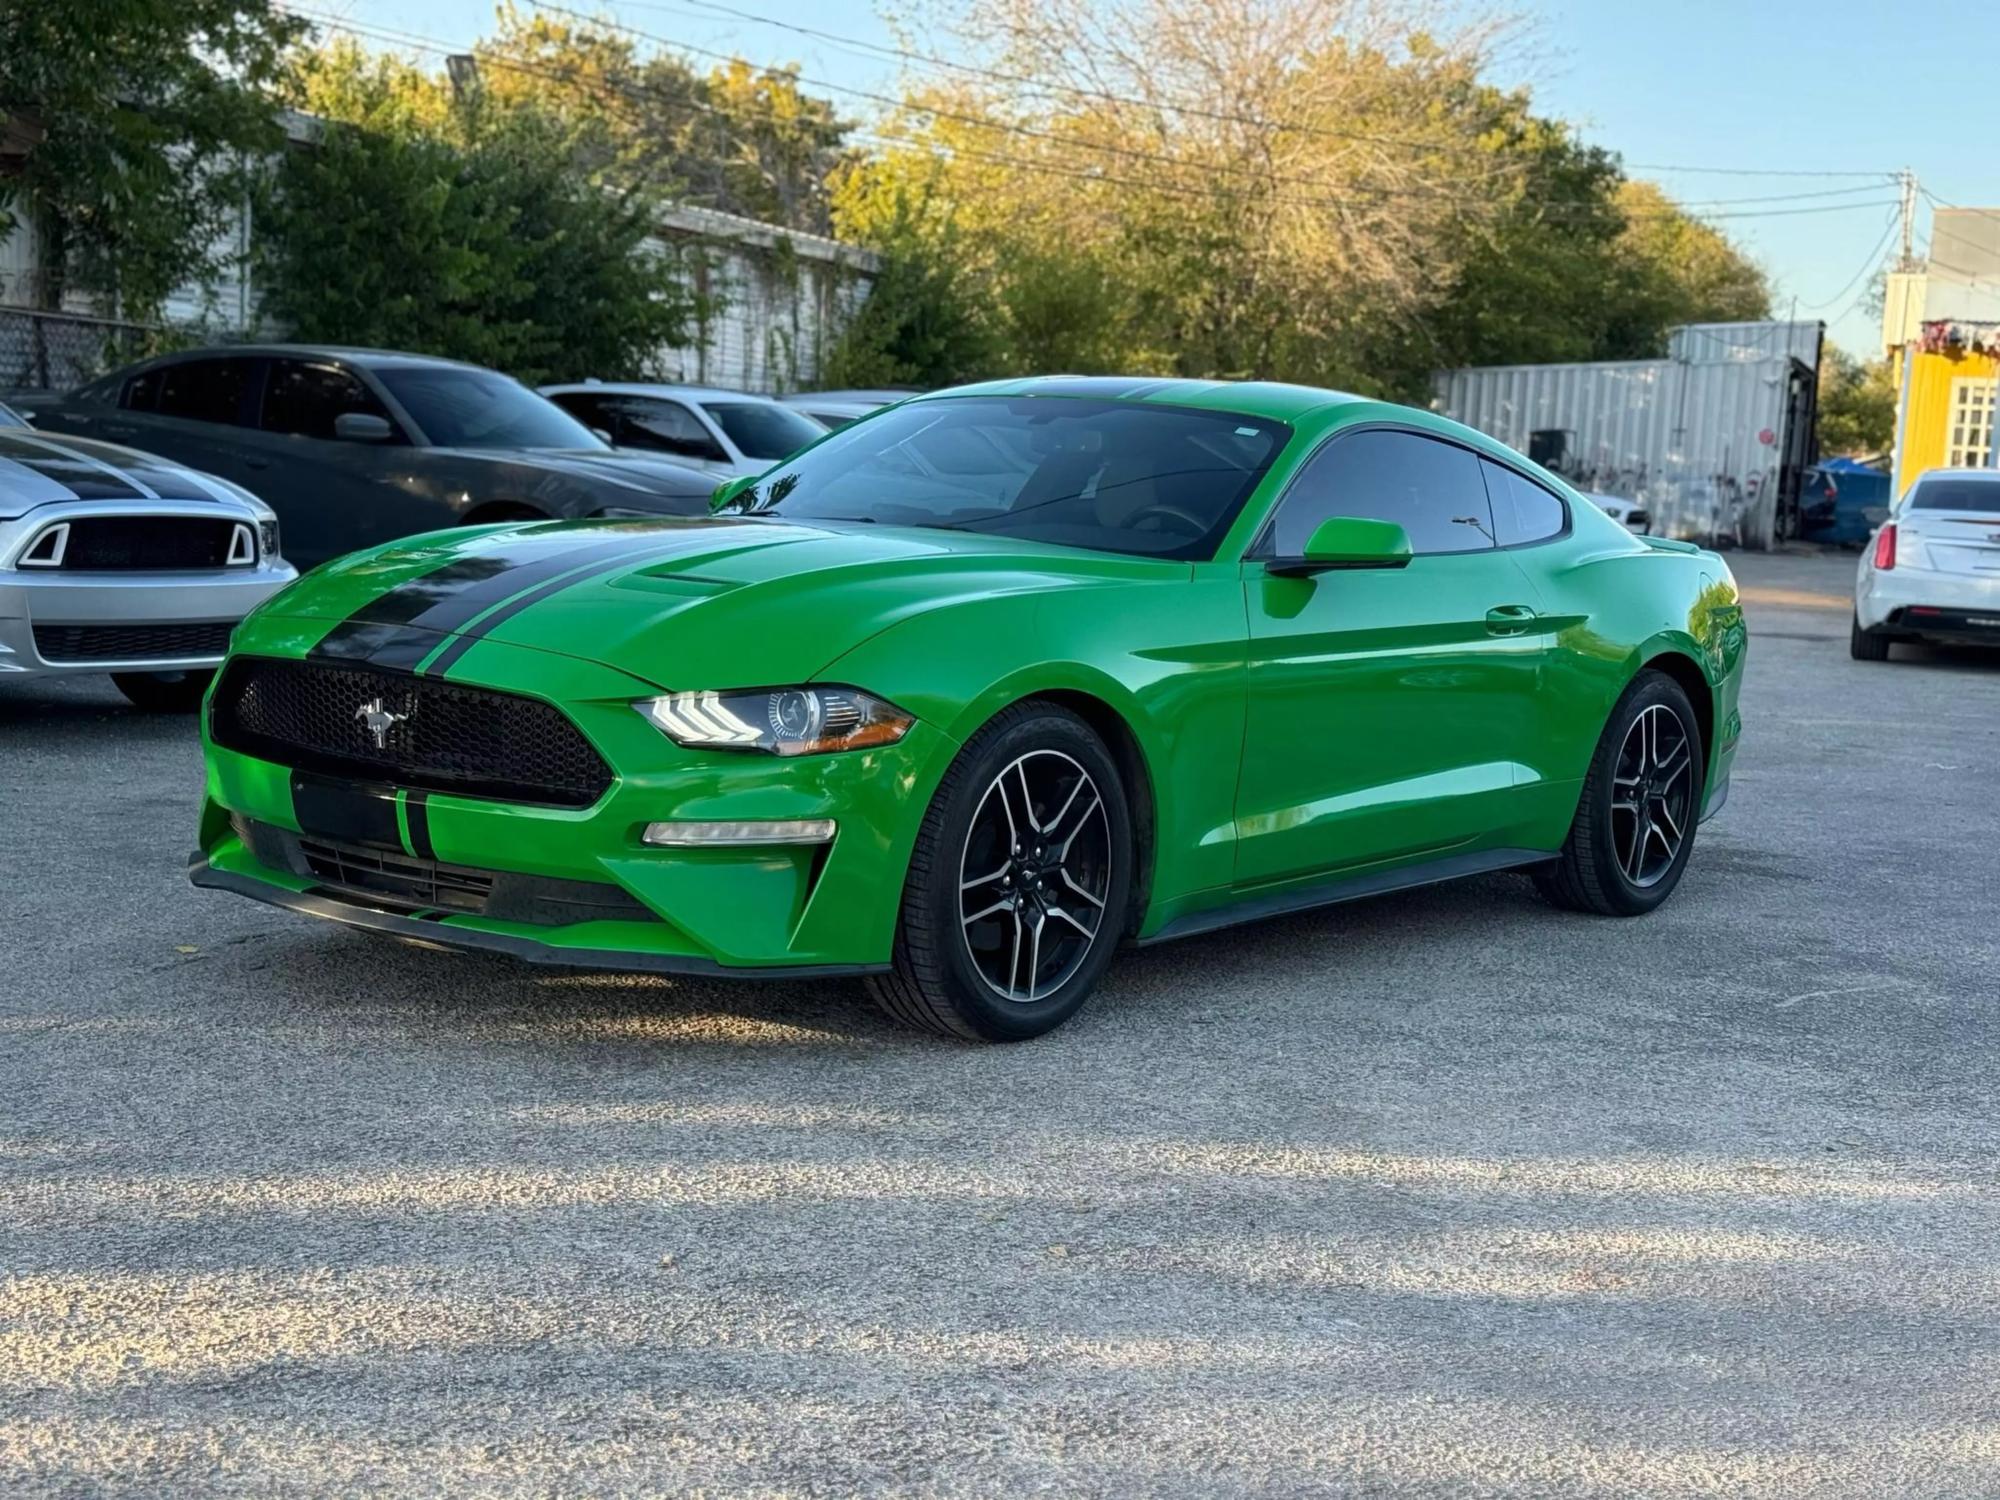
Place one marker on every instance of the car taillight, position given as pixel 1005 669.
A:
pixel 1885 547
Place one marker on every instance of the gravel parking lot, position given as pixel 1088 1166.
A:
pixel 1442 1193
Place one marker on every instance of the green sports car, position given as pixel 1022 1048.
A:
pixel 967 694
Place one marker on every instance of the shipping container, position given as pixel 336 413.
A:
pixel 1720 343
pixel 1714 449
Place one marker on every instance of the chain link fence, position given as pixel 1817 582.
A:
pixel 51 351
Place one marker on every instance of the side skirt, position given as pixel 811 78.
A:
pixel 1347 888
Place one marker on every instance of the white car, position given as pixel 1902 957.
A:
pixel 726 433
pixel 1631 514
pixel 1932 570
pixel 838 408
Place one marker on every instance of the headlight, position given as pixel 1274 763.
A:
pixel 778 721
pixel 267 538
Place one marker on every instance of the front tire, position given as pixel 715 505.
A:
pixel 164 692
pixel 1019 885
pixel 1866 645
pixel 1635 822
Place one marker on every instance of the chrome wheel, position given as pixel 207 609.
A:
pixel 1034 875
pixel 1652 795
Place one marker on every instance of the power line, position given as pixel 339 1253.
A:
pixel 1045 86
pixel 1874 259
pixel 1216 187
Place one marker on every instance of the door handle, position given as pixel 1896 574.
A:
pixel 1509 619
pixel 256 463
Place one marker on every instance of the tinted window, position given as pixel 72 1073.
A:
pixel 203 390
pixel 1981 495
pixel 458 406
pixel 646 422
pixel 142 392
pixel 1113 476
pixel 305 398
pixel 1522 510
pixel 765 430
pixel 1430 489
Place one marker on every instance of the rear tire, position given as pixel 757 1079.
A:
pixel 1635 822
pixel 1866 645
pixel 164 692
pixel 1019 884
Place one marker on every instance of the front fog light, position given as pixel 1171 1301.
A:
pixel 725 835
pixel 778 721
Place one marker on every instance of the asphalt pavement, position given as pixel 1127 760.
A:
pixel 1445 1193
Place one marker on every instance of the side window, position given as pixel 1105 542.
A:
pixel 305 399
pixel 204 390
pixel 665 426
pixel 142 392
pixel 1522 510
pixel 1429 488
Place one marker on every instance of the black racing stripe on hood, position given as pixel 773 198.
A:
pixel 397 630
pixel 85 477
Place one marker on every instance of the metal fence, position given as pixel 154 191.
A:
pixel 51 351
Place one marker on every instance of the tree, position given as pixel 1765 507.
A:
pixel 460 231
pixel 1857 405
pixel 1684 271
pixel 139 116
pixel 919 325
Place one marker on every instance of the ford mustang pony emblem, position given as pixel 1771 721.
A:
pixel 379 721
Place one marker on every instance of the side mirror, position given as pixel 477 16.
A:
pixel 1347 542
pixel 731 490
pixel 362 427
pixel 603 437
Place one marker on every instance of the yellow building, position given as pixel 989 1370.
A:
pixel 1941 332
pixel 1946 409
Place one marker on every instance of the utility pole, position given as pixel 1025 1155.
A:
pixel 1906 181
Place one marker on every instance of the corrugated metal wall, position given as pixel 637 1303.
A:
pixel 1687 439
pixel 1704 343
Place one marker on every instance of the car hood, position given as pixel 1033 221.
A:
pixel 724 602
pixel 604 469
pixel 41 468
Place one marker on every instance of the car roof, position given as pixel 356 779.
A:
pixel 352 353
pixel 1258 398
pixel 653 388
pixel 1990 476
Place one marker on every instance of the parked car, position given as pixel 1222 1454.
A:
pixel 1631 514
pixel 838 408
pixel 115 561
pixel 726 433
pixel 1932 570
pixel 967 695
pixel 358 446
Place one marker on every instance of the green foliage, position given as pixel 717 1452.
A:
pixel 919 326
pixel 138 114
pixel 469 234
pixel 1857 405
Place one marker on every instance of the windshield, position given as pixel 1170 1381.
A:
pixel 766 431
pixel 460 407
pixel 1982 495
pixel 1112 476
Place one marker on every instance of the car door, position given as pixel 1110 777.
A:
pixel 193 411
pixel 332 495
pixel 1389 708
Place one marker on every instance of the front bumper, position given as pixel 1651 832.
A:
pixel 143 608
pixel 818 909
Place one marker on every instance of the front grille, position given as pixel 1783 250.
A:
pixel 80 643
pixel 437 736
pixel 414 882
pixel 118 544
pixel 390 881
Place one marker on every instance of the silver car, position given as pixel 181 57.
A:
pixel 725 433
pixel 116 561
pixel 1932 570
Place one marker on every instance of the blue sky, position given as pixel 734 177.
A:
pixel 1751 85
